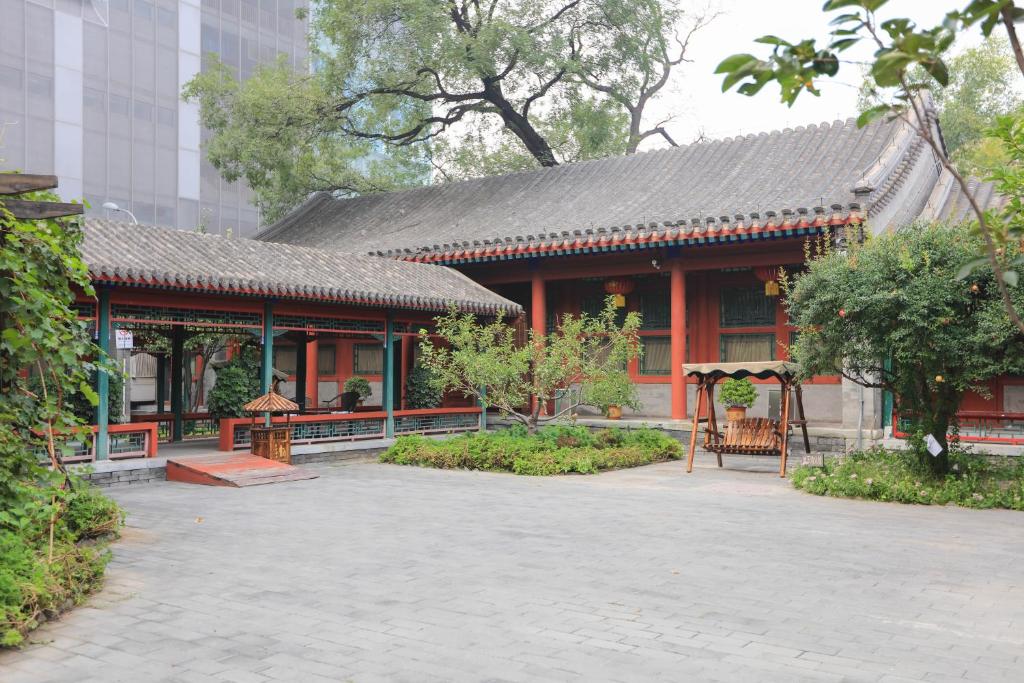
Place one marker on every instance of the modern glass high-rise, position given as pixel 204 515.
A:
pixel 89 90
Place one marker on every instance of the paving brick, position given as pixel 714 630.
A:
pixel 383 573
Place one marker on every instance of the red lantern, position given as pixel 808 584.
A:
pixel 619 288
pixel 769 276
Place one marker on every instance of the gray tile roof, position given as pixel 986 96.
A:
pixel 116 251
pixel 948 203
pixel 696 187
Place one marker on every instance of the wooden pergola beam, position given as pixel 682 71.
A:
pixel 16 183
pixel 35 211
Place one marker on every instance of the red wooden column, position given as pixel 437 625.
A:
pixel 538 310
pixel 312 373
pixel 678 339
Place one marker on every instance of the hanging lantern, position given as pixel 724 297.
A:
pixel 769 276
pixel 619 288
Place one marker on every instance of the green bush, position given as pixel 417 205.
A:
pixel 32 586
pixel 975 481
pixel 359 385
pixel 236 385
pixel 421 391
pixel 552 450
pixel 737 393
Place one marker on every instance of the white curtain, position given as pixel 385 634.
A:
pixel 747 348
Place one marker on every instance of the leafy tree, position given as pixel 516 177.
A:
pixel 482 360
pixel 984 83
pixel 902 48
pixel 46 355
pixel 421 391
pixel 898 296
pixel 560 79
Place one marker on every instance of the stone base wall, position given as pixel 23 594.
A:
pixel 142 475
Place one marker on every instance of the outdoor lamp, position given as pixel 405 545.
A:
pixel 111 206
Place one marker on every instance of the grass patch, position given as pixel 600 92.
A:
pixel 552 450
pixel 32 585
pixel 977 481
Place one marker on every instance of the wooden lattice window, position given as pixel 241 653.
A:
pixel 656 310
pixel 368 359
pixel 746 348
pixel 746 307
pixel 657 356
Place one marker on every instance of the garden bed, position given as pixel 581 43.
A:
pixel 552 450
pixel 37 584
pixel 977 481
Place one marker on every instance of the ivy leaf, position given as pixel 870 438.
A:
pixel 872 114
pixel 1010 277
pixel 968 268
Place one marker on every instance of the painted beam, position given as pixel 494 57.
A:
pixel 102 378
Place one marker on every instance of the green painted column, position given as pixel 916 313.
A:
pixel 177 380
pixel 389 378
pixel 300 372
pixel 267 376
pixel 102 378
pixel 161 381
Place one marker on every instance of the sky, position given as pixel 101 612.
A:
pixel 695 98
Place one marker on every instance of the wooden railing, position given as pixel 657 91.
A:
pixel 194 425
pixel 234 431
pixel 437 420
pixel 131 440
pixel 975 426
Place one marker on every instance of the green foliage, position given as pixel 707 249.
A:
pixel 467 88
pixel 483 360
pixel 611 388
pixel 421 391
pixel 737 393
pixel 236 385
pixel 899 296
pixel 551 450
pixel 974 481
pixel 360 385
pixel 37 581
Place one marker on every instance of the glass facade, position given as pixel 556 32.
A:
pixel 89 91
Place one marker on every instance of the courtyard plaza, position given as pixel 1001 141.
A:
pixel 386 573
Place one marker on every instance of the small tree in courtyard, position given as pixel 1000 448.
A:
pixel 483 360
pixel 895 312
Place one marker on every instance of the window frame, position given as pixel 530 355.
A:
pixel 355 359
pixel 770 335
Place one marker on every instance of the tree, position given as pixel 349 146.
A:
pixel 902 48
pixel 46 356
pixel 548 76
pixel 482 360
pixel 896 313
pixel 984 83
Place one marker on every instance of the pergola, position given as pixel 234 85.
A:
pixel 177 283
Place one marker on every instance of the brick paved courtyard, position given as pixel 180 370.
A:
pixel 376 572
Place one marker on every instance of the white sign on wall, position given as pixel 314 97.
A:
pixel 123 339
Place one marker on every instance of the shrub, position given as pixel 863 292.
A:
pixel 236 385
pixel 32 586
pixel 359 385
pixel 974 481
pixel 551 450
pixel 421 390
pixel 737 393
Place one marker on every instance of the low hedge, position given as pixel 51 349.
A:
pixel 33 586
pixel 552 450
pixel 977 481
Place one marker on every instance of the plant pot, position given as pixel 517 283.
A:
pixel 614 412
pixel 735 413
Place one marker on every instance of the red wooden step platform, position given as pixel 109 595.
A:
pixel 232 469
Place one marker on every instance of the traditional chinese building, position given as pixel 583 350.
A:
pixel 692 236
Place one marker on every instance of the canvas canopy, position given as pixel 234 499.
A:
pixel 761 370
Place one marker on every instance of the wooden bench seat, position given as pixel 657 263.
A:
pixel 750 436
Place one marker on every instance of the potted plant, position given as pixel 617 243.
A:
pixel 737 395
pixel 360 385
pixel 610 393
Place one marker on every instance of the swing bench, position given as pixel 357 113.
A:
pixel 752 435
